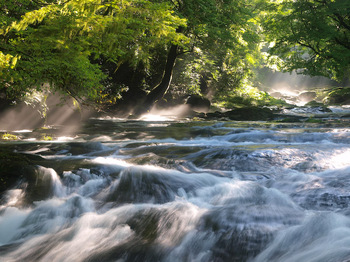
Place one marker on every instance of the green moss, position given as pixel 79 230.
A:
pixel 314 103
pixel 313 120
pixel 46 138
pixel 8 136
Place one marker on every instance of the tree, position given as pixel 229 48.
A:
pixel 224 41
pixel 76 45
pixel 310 36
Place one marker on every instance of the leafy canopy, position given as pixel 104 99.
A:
pixel 311 36
pixel 56 41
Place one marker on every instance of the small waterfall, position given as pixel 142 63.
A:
pixel 57 186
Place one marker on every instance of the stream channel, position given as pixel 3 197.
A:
pixel 182 190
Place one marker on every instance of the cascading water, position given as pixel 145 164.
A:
pixel 182 191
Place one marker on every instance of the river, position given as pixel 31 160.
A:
pixel 119 190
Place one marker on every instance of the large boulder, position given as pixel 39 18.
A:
pixel 198 103
pixel 307 96
pixel 276 94
pixel 250 114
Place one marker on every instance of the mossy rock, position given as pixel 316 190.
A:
pixel 314 103
pixel 339 96
pixel 321 107
pixel 307 96
pixel 198 103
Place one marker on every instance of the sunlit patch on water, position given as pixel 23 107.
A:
pixel 155 117
pixel 158 125
pixel 337 159
pixel 111 161
pixel 65 138
pixel 170 114
pixel 23 131
pixel 30 139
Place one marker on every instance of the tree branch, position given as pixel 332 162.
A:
pixel 341 21
pixel 345 44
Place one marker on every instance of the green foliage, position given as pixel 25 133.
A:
pixel 78 46
pixel 56 41
pixel 7 61
pixel 225 45
pixel 310 36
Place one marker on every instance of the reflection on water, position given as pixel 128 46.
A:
pixel 181 191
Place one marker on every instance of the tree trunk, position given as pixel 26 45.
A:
pixel 160 90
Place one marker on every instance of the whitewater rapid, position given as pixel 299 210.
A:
pixel 183 191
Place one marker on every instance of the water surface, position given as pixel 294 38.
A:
pixel 182 191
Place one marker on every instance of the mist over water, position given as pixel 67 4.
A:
pixel 182 191
pixel 44 110
pixel 293 82
pixel 294 88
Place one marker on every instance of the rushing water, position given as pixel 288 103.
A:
pixel 182 191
